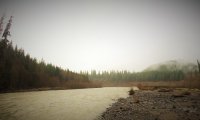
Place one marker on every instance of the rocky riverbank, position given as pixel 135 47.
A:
pixel 162 104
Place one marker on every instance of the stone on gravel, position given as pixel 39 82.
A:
pixel 165 90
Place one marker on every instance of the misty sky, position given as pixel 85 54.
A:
pixel 106 34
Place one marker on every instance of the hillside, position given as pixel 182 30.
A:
pixel 19 71
pixel 173 65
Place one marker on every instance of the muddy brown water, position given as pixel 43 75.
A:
pixel 79 104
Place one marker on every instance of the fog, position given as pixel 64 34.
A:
pixel 105 35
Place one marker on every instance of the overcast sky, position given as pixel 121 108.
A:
pixel 106 34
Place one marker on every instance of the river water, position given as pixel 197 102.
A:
pixel 79 104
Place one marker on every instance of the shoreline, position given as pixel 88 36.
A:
pixel 31 90
pixel 161 104
pixel 41 89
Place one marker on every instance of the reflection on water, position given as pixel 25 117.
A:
pixel 80 104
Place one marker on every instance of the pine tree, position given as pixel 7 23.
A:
pixel 7 29
pixel 1 24
pixel 198 65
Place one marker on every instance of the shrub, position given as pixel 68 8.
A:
pixel 131 91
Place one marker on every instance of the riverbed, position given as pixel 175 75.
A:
pixel 79 104
pixel 163 104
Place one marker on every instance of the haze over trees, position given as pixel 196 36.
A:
pixel 169 71
pixel 19 71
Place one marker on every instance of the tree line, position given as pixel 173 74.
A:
pixel 19 71
pixel 136 76
pixel 162 73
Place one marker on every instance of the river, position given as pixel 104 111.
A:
pixel 78 104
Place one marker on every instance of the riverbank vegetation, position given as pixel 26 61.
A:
pixel 19 71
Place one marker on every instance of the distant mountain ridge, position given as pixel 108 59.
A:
pixel 173 65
